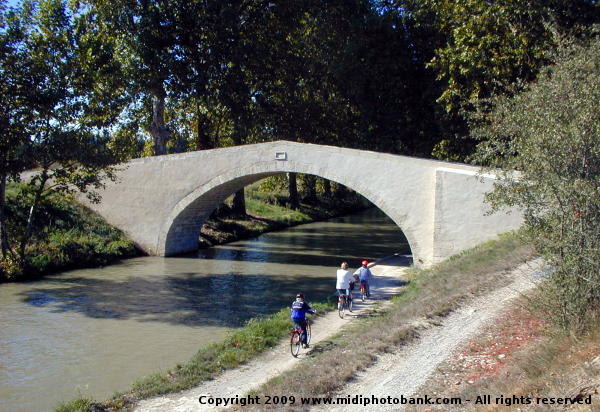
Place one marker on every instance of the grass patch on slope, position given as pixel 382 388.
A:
pixel 66 235
pixel 429 295
pixel 266 212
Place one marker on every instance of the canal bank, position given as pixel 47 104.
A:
pixel 343 347
pixel 151 313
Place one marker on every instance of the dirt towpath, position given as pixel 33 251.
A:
pixel 388 279
pixel 403 372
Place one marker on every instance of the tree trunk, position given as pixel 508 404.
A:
pixel 202 141
pixel 239 200
pixel 327 188
pixel 340 191
pixel 239 203
pixel 293 191
pixel 311 188
pixel 29 229
pixel 3 237
pixel 158 129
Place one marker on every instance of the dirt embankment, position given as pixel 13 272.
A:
pixel 405 371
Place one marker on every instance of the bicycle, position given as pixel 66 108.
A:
pixel 296 340
pixel 343 304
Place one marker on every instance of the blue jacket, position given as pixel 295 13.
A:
pixel 299 310
pixel 365 274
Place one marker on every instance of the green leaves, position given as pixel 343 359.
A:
pixel 489 47
pixel 550 133
pixel 53 120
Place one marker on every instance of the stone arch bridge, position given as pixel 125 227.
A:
pixel 161 202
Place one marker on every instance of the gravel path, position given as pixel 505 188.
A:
pixel 387 281
pixel 403 372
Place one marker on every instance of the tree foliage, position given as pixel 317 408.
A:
pixel 55 125
pixel 550 133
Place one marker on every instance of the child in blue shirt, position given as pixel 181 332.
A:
pixel 299 309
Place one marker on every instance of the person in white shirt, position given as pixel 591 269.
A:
pixel 343 280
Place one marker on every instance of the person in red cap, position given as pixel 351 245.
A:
pixel 365 276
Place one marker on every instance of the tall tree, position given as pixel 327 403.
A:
pixel 491 48
pixel 14 116
pixel 146 37
pixel 66 134
pixel 250 43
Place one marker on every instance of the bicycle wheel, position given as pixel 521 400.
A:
pixel 341 309
pixel 295 344
pixel 308 333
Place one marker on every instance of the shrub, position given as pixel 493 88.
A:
pixel 550 133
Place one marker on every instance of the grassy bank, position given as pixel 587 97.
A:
pixel 66 235
pixel 238 348
pixel 267 211
pixel 430 295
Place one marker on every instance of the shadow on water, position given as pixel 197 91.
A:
pixel 188 299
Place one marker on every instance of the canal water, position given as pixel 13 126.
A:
pixel 92 332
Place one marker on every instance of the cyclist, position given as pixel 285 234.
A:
pixel 343 281
pixel 299 309
pixel 365 276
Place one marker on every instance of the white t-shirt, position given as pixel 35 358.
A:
pixel 343 278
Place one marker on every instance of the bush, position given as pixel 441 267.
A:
pixel 550 133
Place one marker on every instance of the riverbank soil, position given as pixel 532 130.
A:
pixel 388 279
pixel 519 364
pixel 402 372
pixel 263 218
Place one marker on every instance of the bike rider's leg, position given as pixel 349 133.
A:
pixel 303 335
pixel 298 324
pixel 348 298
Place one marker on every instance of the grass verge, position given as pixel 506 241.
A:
pixel 266 214
pixel 66 235
pixel 430 294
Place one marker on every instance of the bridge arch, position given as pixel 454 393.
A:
pixel 181 229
